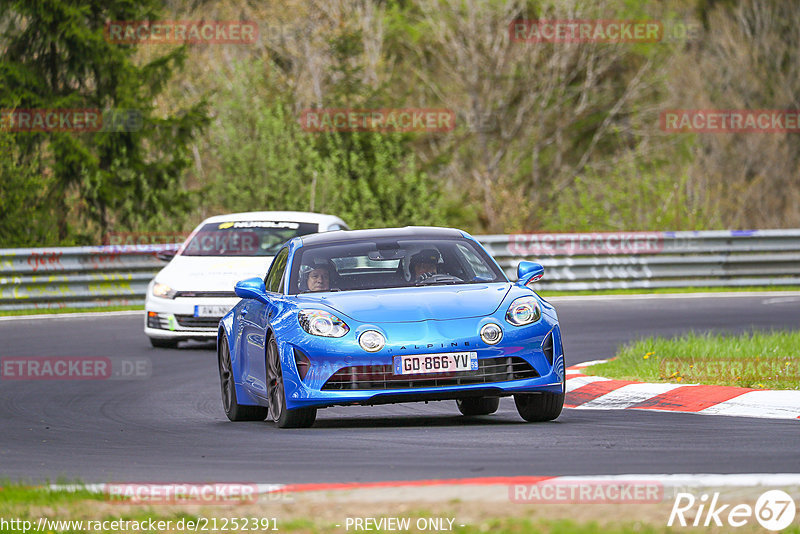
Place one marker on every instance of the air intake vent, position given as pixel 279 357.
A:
pixel 547 348
pixel 373 377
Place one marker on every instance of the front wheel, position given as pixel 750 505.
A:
pixel 278 413
pixel 234 410
pixel 538 407
pixel 478 405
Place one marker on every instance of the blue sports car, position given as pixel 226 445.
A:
pixel 384 316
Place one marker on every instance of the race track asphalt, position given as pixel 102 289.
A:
pixel 170 426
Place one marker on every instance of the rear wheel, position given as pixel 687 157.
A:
pixel 283 418
pixel 164 343
pixel 478 405
pixel 234 410
pixel 540 406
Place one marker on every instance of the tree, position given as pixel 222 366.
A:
pixel 55 56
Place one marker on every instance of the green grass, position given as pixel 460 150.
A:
pixel 9 313
pixel 28 503
pixel 763 360
pixel 14 493
pixel 665 290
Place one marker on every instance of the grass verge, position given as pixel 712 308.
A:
pixel 51 311
pixel 328 514
pixel 762 360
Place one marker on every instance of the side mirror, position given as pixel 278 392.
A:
pixel 166 255
pixel 528 272
pixel 252 288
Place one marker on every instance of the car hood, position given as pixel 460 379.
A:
pixel 415 303
pixel 201 273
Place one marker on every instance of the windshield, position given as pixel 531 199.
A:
pixel 377 264
pixel 245 238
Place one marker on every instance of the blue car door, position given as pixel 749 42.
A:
pixel 256 322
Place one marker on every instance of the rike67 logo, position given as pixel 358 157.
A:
pixel 774 510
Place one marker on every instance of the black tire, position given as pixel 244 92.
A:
pixel 234 410
pixel 164 343
pixel 282 417
pixel 478 405
pixel 539 407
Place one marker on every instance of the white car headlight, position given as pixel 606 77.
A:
pixel 524 310
pixel 163 291
pixel 371 341
pixel 322 323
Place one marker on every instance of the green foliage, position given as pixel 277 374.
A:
pixel 25 217
pixel 635 194
pixel 266 161
pixel 573 145
pixel 56 57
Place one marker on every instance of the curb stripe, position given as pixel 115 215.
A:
pixel 628 396
pixel 592 391
pixel 691 398
pixel 677 480
pixel 576 382
pixel 600 393
pixel 772 404
pixel 485 481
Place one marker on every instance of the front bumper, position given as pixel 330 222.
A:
pixel 546 384
pixel 529 360
pixel 176 319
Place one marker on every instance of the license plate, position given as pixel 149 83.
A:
pixel 211 310
pixel 417 364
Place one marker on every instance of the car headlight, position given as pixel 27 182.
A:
pixel 163 291
pixel 524 310
pixel 322 323
pixel 491 333
pixel 371 341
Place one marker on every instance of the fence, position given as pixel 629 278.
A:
pixel 118 275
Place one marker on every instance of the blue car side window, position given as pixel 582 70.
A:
pixel 275 275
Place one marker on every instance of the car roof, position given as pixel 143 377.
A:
pixel 292 216
pixel 432 232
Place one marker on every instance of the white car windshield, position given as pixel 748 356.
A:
pixel 376 264
pixel 245 238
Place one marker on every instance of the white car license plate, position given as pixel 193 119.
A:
pixel 416 364
pixel 211 310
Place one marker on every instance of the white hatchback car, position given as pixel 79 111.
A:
pixel 188 297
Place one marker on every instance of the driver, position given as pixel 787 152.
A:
pixel 319 279
pixel 317 276
pixel 424 264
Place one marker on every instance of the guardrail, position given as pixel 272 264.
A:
pixel 84 277
pixel 118 275
pixel 642 260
